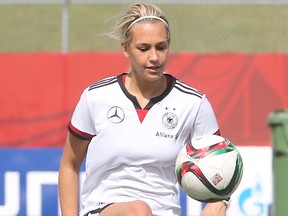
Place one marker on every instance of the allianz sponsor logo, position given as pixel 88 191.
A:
pixel 166 135
pixel 162 134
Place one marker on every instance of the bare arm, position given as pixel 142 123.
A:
pixel 74 152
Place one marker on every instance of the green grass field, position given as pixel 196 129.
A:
pixel 247 29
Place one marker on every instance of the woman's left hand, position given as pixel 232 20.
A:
pixel 214 209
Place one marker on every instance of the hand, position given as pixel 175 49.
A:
pixel 214 209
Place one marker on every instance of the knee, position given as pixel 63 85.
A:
pixel 140 208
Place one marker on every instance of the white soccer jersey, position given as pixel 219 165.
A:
pixel 129 159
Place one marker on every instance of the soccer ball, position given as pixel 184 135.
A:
pixel 209 168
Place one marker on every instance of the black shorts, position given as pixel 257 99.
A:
pixel 97 211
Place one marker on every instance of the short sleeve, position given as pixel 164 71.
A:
pixel 205 122
pixel 81 124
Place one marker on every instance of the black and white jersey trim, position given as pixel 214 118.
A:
pixel 187 89
pixel 103 82
pixel 178 85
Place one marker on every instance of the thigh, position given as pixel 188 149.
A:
pixel 138 207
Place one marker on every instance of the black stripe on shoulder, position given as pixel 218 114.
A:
pixel 187 89
pixel 103 82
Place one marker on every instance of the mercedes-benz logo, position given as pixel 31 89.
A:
pixel 115 114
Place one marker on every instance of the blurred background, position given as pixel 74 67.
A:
pixel 235 51
pixel 197 26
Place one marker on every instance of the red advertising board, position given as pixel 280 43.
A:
pixel 40 90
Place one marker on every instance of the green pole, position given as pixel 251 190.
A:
pixel 278 121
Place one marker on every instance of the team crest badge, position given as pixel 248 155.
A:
pixel 169 120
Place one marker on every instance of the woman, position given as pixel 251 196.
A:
pixel 131 127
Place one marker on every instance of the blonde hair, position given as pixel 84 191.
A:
pixel 125 20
